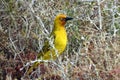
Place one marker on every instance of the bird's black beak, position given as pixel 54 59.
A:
pixel 68 18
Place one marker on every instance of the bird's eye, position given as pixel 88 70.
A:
pixel 62 19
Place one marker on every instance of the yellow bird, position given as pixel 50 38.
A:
pixel 60 41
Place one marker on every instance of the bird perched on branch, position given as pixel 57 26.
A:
pixel 59 36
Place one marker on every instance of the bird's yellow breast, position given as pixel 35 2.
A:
pixel 60 40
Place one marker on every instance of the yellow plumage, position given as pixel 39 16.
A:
pixel 60 41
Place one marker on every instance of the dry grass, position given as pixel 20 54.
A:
pixel 94 39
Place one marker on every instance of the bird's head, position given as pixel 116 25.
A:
pixel 61 19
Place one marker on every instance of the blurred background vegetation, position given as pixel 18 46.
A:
pixel 94 39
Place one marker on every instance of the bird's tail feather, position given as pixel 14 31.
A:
pixel 34 66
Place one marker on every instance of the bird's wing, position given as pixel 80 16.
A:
pixel 44 49
pixel 46 46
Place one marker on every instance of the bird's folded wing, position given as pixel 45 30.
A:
pixel 47 47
